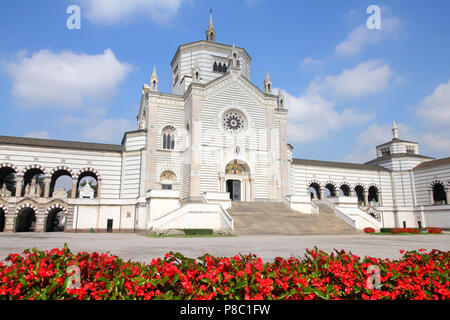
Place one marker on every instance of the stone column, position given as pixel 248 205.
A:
pixel 196 131
pixel 352 192
pixel 380 199
pixel 448 196
pixel 336 192
pixel 430 194
pixel 74 188
pixel 250 184
pixel 47 187
pixel 366 198
pixel 221 182
pixel 40 221
pixel 99 188
pixel 322 193
pixel 19 185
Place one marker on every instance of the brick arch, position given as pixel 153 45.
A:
pixel 435 182
pixel 332 183
pixel 314 181
pixel 4 208
pixel 56 206
pixel 10 165
pixel 27 205
pixel 61 168
pixel 360 185
pixel 34 166
pixel 88 169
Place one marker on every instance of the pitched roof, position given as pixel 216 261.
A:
pixel 46 143
pixel 395 141
pixel 398 155
pixel 433 163
pixel 341 165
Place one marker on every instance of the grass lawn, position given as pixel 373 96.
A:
pixel 406 233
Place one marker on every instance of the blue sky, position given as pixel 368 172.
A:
pixel 344 84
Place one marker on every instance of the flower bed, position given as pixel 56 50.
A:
pixel 434 230
pixel 318 275
pixel 369 230
pixel 405 230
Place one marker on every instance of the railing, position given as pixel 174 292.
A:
pixel 229 219
pixel 337 212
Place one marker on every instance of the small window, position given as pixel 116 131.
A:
pixel 168 138
pixel 385 151
pixel 167 187
pixel 215 66
pixel 410 150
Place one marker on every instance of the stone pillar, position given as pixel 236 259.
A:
pixel 430 194
pixel 74 188
pixel 10 219
pixel 99 188
pixel 380 199
pixel 352 192
pixel 196 131
pixel 366 198
pixel 19 185
pixel 336 192
pixel 221 182
pixel 322 194
pixel 47 187
pixel 448 196
pixel 250 182
pixel 40 221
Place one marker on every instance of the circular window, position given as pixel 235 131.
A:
pixel 234 122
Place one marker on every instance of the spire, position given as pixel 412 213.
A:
pixel 267 84
pixel 280 99
pixel 211 33
pixel 154 80
pixel 395 130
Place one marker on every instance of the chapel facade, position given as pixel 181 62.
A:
pixel 215 140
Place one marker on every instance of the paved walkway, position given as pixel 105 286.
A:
pixel 141 248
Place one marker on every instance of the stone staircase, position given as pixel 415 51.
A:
pixel 276 218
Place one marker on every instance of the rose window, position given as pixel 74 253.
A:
pixel 234 122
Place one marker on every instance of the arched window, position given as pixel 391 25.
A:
pixel 360 194
pixel 215 66
pixel 314 190
pixel 33 183
pixel 168 135
pixel 61 179
pixel 344 191
pixel 373 195
pixel 167 179
pixel 219 68
pixel 439 195
pixel 224 68
pixel 8 177
pixel 329 190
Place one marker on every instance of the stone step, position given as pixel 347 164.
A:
pixel 279 219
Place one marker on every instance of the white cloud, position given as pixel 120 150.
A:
pixel 434 110
pixel 312 117
pixel 108 130
pixel 374 135
pixel 113 11
pixel 366 78
pixel 66 79
pixel 312 64
pixel 38 134
pixel 362 36
pixel 434 113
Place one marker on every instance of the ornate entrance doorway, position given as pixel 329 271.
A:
pixel 237 181
pixel 234 188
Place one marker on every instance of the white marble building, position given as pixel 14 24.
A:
pixel 214 140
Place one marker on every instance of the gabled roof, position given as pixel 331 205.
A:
pixel 399 155
pixel 340 165
pixel 433 163
pixel 395 141
pixel 47 143
pixel 208 44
